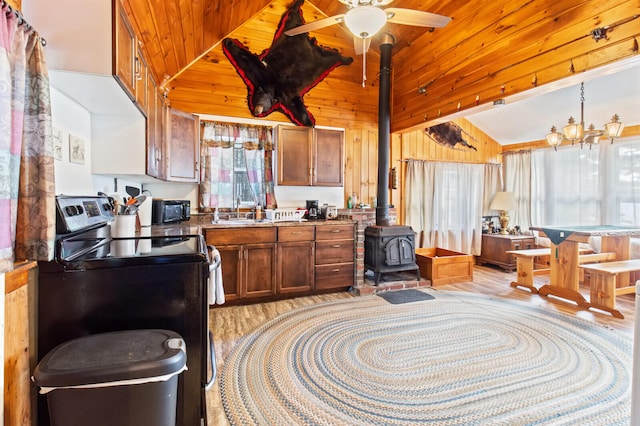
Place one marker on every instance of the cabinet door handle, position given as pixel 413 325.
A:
pixel 296 233
pixel 336 231
pixel 335 246
pixel 335 270
pixel 138 70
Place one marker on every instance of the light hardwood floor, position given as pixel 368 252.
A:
pixel 230 323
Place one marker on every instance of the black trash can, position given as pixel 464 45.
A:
pixel 120 378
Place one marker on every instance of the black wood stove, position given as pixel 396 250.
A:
pixel 387 248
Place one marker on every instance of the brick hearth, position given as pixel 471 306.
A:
pixel 366 284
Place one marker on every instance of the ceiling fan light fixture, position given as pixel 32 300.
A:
pixel 365 21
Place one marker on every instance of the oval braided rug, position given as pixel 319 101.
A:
pixel 460 359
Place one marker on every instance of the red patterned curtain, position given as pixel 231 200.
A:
pixel 27 193
pixel 219 187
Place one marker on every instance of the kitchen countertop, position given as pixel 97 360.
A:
pixel 193 228
pixel 267 223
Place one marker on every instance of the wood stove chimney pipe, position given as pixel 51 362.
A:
pixel 384 130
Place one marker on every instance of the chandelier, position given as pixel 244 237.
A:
pixel 576 132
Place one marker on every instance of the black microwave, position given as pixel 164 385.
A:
pixel 170 211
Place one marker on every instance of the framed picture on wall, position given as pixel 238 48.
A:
pixel 76 149
pixel 57 142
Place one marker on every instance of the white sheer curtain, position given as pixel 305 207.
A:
pixel 578 186
pixel 621 182
pixel 517 168
pixel 493 182
pixel 444 204
pixel 566 186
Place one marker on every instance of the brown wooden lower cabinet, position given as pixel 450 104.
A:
pixel 337 275
pixel 495 247
pixel 248 270
pixel 248 260
pixel 335 255
pixel 261 262
pixel 296 254
pixel 295 267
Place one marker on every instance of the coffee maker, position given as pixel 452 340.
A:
pixel 312 210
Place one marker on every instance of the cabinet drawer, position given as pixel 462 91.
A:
pixel 338 251
pixel 295 233
pixel 246 235
pixel 332 276
pixel 524 244
pixel 334 232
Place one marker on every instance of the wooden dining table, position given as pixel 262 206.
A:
pixel 564 281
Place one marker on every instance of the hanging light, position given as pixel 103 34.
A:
pixel 554 138
pixel 592 136
pixel 614 128
pixel 365 21
pixel 575 132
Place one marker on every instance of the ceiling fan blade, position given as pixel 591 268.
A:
pixel 361 45
pixel 416 18
pixel 315 25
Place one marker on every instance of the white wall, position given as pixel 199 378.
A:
pixel 71 119
pixel 295 196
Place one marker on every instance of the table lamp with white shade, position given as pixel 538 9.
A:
pixel 503 201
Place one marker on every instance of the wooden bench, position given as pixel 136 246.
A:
pixel 604 286
pixel 525 265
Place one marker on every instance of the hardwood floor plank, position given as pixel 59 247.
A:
pixel 230 323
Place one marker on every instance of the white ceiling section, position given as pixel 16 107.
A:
pixel 529 117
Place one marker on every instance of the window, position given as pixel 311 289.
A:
pixel 622 194
pixel 236 166
pixel 444 204
pixel 582 186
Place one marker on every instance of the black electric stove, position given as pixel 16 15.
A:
pixel 99 284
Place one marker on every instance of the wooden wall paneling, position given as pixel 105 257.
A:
pixel 525 54
pixel 18 323
pixel 396 195
pixel 357 166
pixel 349 160
pixel 372 136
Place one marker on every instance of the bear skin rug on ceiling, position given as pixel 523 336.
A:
pixel 279 77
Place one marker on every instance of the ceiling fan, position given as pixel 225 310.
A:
pixel 365 18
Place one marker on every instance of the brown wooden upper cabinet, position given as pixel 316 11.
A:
pixel 130 66
pixel 125 51
pixel 310 156
pixel 155 131
pixel 142 75
pixel 182 154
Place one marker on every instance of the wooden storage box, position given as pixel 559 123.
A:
pixel 443 266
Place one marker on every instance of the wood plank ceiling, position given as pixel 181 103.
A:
pixel 489 50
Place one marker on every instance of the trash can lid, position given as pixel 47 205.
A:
pixel 110 357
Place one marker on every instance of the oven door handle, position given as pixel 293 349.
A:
pixel 214 263
pixel 212 359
